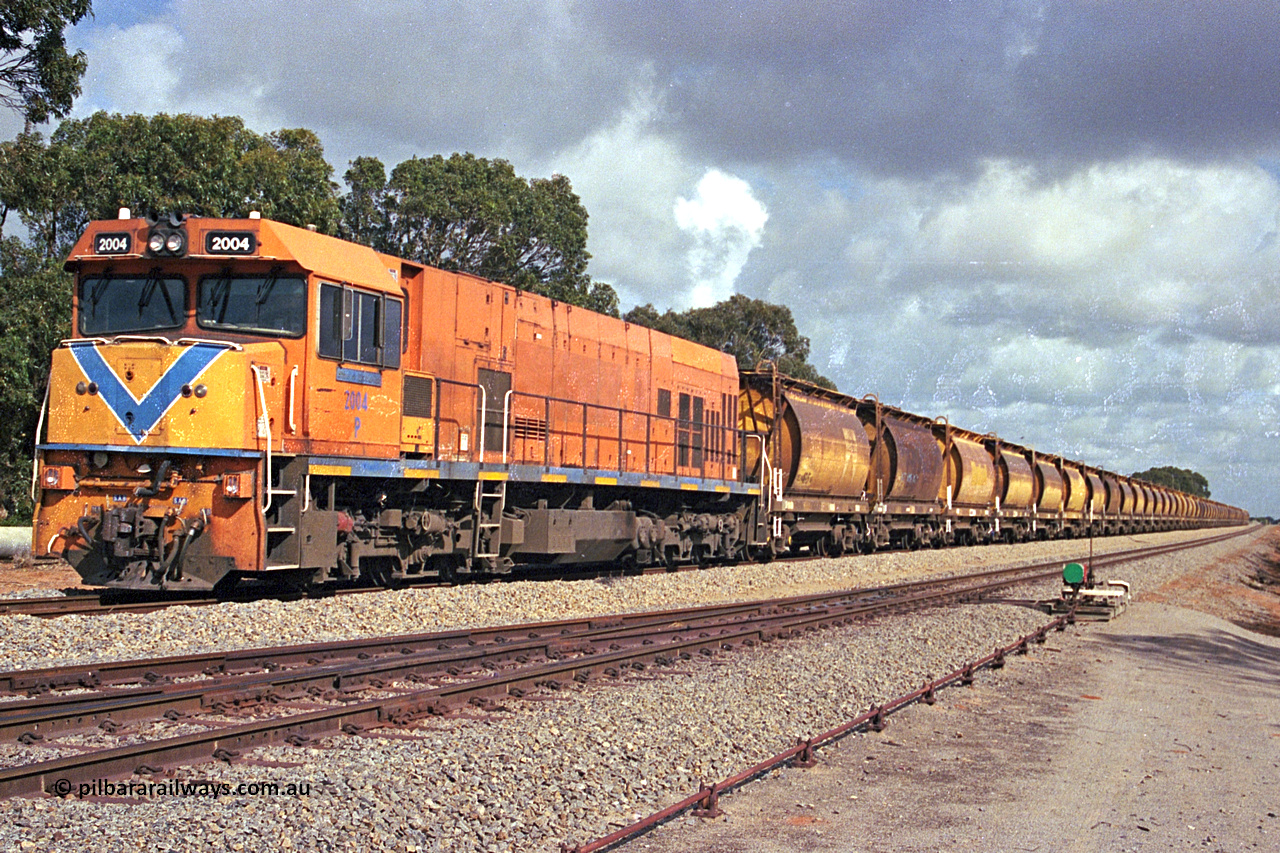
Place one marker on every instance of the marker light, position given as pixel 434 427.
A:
pixel 234 487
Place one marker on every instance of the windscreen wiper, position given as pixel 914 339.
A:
pixel 99 287
pixel 218 299
pixel 155 281
pixel 268 284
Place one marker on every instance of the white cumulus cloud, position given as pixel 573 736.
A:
pixel 726 221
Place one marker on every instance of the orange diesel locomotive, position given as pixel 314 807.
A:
pixel 247 399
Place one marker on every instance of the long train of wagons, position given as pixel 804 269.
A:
pixel 248 399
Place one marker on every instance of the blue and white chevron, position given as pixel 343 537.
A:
pixel 139 417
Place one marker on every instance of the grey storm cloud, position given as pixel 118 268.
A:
pixel 902 86
pixel 911 87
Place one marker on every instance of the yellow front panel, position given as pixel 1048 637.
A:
pixel 145 394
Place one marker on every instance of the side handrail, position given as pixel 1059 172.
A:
pixel 264 428
pixel 508 415
pixel 293 381
pixel 480 427
pixel 506 424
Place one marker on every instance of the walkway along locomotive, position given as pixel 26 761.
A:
pixel 248 399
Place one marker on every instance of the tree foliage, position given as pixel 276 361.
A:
pixel 35 296
pixel 38 77
pixel 1182 479
pixel 92 167
pixel 751 330
pixel 476 215
pixel 87 170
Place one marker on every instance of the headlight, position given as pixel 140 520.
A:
pixel 167 239
pixel 52 478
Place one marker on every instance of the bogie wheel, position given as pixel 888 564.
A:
pixel 380 571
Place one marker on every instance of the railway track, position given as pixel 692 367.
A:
pixel 106 602
pixel 425 674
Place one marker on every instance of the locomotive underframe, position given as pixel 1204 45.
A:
pixel 170 526
pixel 400 530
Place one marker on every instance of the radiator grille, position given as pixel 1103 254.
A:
pixel 417 397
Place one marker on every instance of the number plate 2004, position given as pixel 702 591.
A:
pixel 112 243
pixel 230 243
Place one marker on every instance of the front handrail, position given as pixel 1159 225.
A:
pixel 35 455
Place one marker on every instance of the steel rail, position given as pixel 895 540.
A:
pixel 422 655
pixel 33 720
pixel 706 801
pixel 106 602
pixel 157 669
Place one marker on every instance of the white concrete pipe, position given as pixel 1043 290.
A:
pixel 15 541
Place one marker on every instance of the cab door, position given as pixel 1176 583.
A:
pixel 354 400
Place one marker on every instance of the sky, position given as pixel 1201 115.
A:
pixel 1056 221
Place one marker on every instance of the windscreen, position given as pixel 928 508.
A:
pixel 113 304
pixel 263 304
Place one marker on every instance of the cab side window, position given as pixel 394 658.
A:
pixel 359 327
